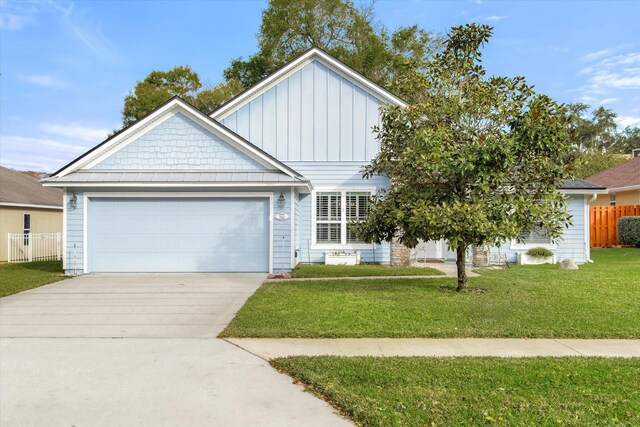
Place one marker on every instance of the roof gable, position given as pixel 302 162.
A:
pixel 312 113
pixel 313 54
pixel 177 143
pixel 156 118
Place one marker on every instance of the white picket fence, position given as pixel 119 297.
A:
pixel 34 247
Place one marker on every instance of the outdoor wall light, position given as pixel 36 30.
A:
pixel 73 201
pixel 281 201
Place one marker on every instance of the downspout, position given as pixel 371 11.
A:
pixel 588 242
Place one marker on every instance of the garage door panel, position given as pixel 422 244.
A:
pixel 178 234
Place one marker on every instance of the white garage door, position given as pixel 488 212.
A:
pixel 178 234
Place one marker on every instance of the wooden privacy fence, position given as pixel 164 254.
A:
pixel 34 247
pixel 604 223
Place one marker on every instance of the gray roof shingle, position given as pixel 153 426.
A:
pixel 22 188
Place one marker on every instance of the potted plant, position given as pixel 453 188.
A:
pixel 537 256
pixel 341 258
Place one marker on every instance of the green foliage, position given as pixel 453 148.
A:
pixel 339 27
pixel 474 160
pixel 475 391
pixel 160 86
pixel 593 162
pixel 598 141
pixel 629 230
pixel 540 252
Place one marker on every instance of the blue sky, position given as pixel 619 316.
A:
pixel 66 66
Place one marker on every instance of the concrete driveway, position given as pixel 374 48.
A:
pixel 140 350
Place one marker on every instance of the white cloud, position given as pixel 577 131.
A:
pixel 608 101
pixel 496 18
pixel 610 75
pixel 556 48
pixel 76 131
pixel 593 56
pixel 11 22
pixel 88 32
pixel 46 80
pixel 625 121
pixel 587 99
pixel 35 145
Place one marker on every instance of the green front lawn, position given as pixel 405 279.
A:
pixel 16 278
pixel 420 391
pixel 361 270
pixel 601 300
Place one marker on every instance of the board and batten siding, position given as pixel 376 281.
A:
pixel 313 115
pixel 574 243
pixel 74 251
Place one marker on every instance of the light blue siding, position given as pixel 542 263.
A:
pixel 333 175
pixel 573 245
pixel 326 118
pixel 148 234
pixel 337 174
pixel 179 143
pixel 74 251
pixel 282 239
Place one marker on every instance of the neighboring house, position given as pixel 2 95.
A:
pixel 622 183
pixel 271 179
pixel 27 207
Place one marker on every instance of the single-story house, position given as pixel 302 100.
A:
pixel 270 179
pixel 27 207
pixel 622 182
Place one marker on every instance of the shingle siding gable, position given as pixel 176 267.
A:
pixel 179 143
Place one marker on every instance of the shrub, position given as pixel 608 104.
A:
pixel 540 252
pixel 629 230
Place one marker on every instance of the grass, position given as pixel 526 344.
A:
pixel 20 277
pixel 601 300
pixel 361 270
pixel 421 391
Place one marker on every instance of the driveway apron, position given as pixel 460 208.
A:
pixel 140 350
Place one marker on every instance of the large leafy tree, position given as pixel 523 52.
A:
pixel 598 141
pixel 347 32
pixel 159 86
pixel 474 160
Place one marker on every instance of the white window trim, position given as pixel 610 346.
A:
pixel 343 214
pixel 522 245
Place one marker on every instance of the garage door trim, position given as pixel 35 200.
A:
pixel 177 195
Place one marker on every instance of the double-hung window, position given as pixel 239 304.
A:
pixel 329 217
pixel 535 237
pixel 336 212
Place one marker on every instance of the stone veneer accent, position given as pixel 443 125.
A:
pixel 481 256
pixel 400 254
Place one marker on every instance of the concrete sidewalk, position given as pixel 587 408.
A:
pixel 440 347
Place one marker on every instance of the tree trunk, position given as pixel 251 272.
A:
pixel 461 253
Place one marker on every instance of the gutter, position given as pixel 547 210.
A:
pixel 589 200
